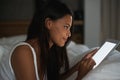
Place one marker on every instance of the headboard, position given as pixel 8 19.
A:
pixel 12 28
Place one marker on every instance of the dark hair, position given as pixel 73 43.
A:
pixel 56 57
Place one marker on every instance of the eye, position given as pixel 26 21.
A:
pixel 67 27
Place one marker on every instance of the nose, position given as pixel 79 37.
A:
pixel 68 33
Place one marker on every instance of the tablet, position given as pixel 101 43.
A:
pixel 104 50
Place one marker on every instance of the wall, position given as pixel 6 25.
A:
pixel 92 22
pixel 16 9
pixel 23 9
pixel 73 4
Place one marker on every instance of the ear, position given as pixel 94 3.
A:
pixel 48 23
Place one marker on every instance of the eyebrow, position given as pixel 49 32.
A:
pixel 69 25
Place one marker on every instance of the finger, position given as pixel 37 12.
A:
pixel 90 54
pixel 88 65
pixel 91 63
pixel 94 51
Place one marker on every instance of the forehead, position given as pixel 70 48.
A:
pixel 67 19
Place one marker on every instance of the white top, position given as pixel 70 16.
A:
pixel 6 70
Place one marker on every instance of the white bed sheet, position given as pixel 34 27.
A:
pixel 107 70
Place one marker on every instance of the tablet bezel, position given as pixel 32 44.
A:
pixel 110 41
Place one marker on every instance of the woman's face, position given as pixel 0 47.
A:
pixel 60 30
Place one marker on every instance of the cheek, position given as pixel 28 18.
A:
pixel 57 37
pixel 55 32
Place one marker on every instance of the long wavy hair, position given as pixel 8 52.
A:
pixel 53 58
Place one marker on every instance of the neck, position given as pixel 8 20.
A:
pixel 50 43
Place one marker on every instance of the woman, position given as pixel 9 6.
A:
pixel 42 56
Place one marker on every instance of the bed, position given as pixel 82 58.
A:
pixel 13 32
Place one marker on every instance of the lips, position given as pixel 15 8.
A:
pixel 65 39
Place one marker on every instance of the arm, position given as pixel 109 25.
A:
pixel 68 73
pixel 23 63
pixel 86 64
pixel 83 67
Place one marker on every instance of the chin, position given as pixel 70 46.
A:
pixel 61 45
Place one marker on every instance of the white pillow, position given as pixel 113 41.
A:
pixel 1 51
pixel 12 39
pixel 7 42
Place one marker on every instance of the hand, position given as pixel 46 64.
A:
pixel 86 64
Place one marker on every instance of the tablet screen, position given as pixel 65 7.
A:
pixel 105 49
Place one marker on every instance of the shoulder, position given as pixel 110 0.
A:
pixel 22 51
pixel 22 54
pixel 22 62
